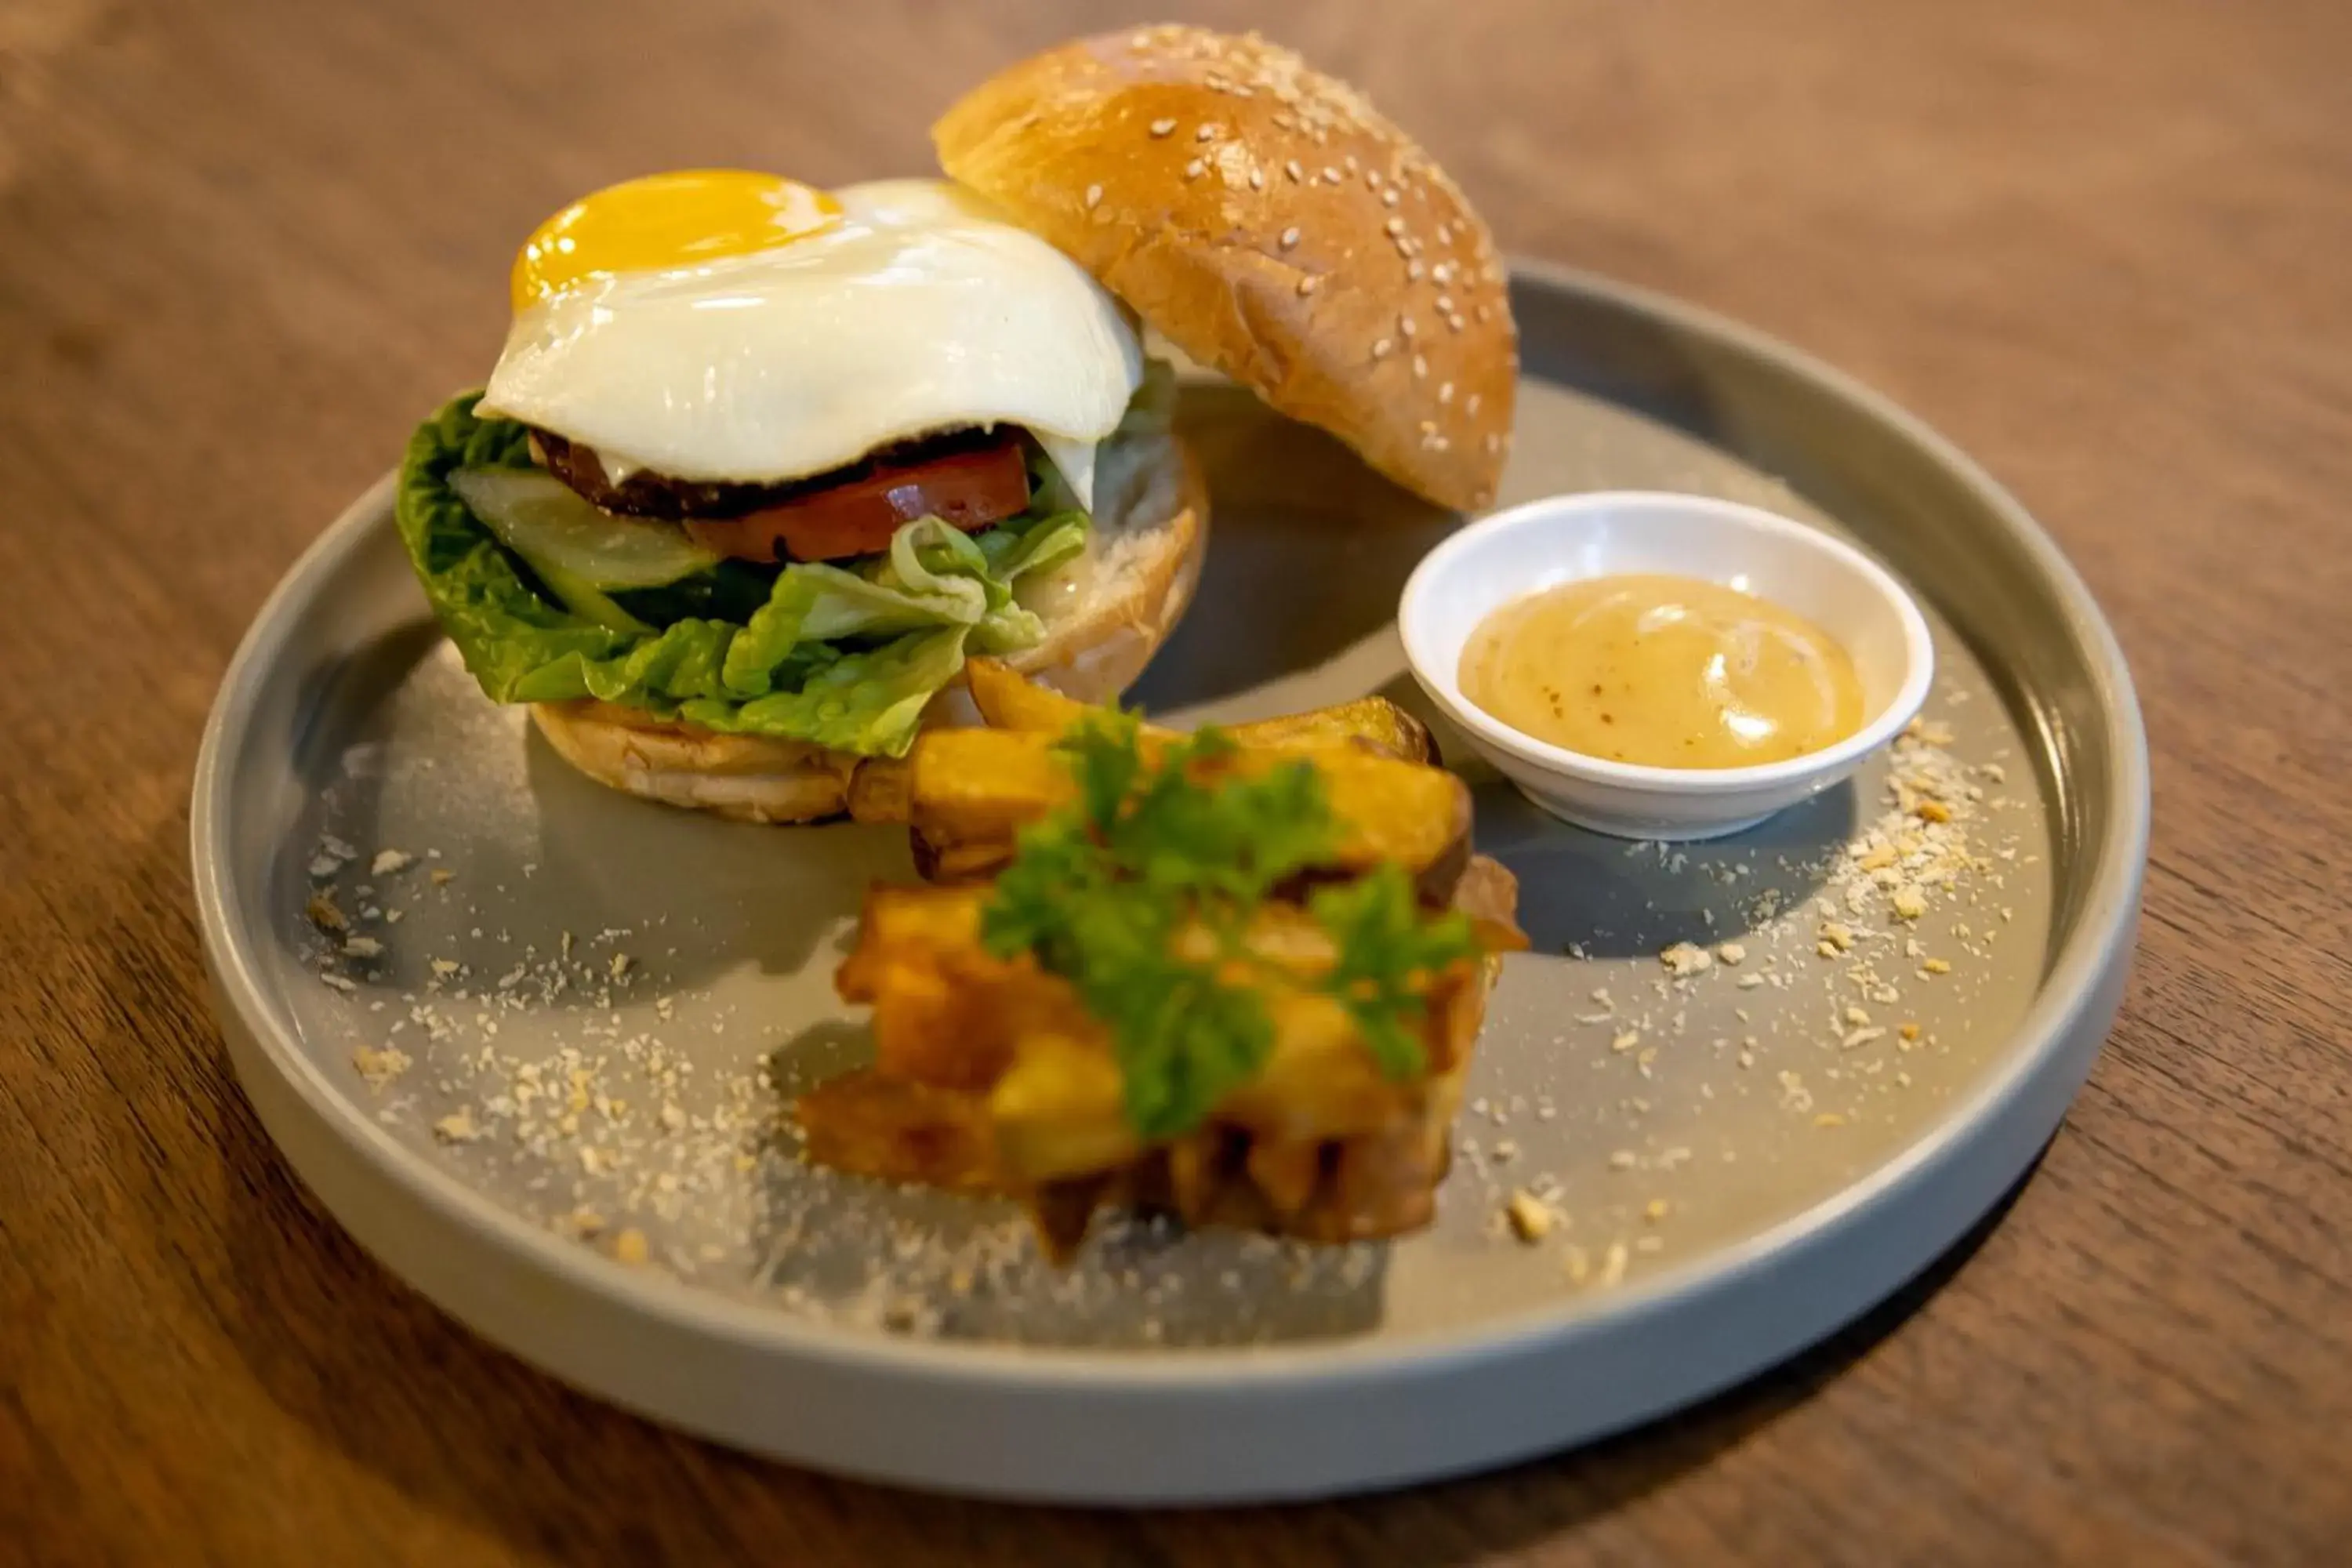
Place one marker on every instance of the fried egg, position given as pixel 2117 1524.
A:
pixel 720 324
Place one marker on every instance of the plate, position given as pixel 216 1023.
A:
pixel 541 1070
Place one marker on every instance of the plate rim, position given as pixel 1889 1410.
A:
pixel 2084 973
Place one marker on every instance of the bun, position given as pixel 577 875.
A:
pixel 1105 615
pixel 1269 222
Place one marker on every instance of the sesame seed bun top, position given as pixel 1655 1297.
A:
pixel 1270 222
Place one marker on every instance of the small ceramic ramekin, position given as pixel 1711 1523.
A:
pixel 1606 533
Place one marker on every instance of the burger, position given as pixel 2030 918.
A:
pixel 760 465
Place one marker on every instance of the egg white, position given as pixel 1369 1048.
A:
pixel 920 312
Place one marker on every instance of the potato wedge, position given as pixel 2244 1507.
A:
pixel 871 1124
pixel 1008 700
pixel 1373 719
pixel 972 789
pixel 879 789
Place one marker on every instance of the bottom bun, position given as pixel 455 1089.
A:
pixel 1106 614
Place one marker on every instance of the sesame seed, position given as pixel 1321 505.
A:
pixel 1395 226
pixel 1294 171
pixel 1307 285
pixel 1481 313
pixel 1493 442
pixel 1206 133
pixel 1289 237
pixel 1444 235
pixel 1389 198
pixel 1094 197
pixel 1405 325
pixel 1444 270
pixel 1162 127
pixel 1420 367
pixel 1372 176
pixel 1444 305
pixel 1381 347
pixel 1192 170
pixel 1331 173
pixel 1455 321
pixel 1257 179
pixel 1470 403
pixel 1412 270
pixel 1444 392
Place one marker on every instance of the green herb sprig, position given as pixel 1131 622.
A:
pixel 1101 890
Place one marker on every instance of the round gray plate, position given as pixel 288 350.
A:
pixel 546 1082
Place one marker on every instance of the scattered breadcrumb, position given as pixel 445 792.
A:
pixel 458 1127
pixel 1685 958
pixel 323 913
pixel 1531 1220
pixel 388 861
pixel 441 876
pixel 1731 952
pixel 629 1246
pixel 363 947
pixel 378 1067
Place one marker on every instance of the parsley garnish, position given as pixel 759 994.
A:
pixel 1102 890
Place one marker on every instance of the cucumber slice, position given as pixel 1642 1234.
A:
pixel 585 599
pixel 567 541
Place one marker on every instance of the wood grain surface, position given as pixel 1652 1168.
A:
pixel 2101 243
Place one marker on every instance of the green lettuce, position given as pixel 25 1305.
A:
pixel 842 656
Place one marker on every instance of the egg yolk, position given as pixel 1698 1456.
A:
pixel 659 221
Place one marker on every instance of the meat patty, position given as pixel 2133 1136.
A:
pixel 970 478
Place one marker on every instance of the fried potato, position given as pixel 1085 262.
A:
pixel 871 1124
pixel 1373 721
pixel 878 790
pixel 972 789
pixel 1008 700
pixel 1045 1081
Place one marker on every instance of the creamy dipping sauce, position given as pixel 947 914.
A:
pixel 1670 672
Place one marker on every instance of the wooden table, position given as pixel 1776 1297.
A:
pixel 2101 243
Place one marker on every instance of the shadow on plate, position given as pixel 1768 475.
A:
pixel 1616 898
pixel 396 747
pixel 1307 551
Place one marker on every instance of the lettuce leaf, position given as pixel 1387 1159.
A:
pixel 840 656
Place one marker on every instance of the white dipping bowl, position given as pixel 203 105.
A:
pixel 1608 533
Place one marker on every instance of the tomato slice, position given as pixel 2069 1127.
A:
pixel 971 488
